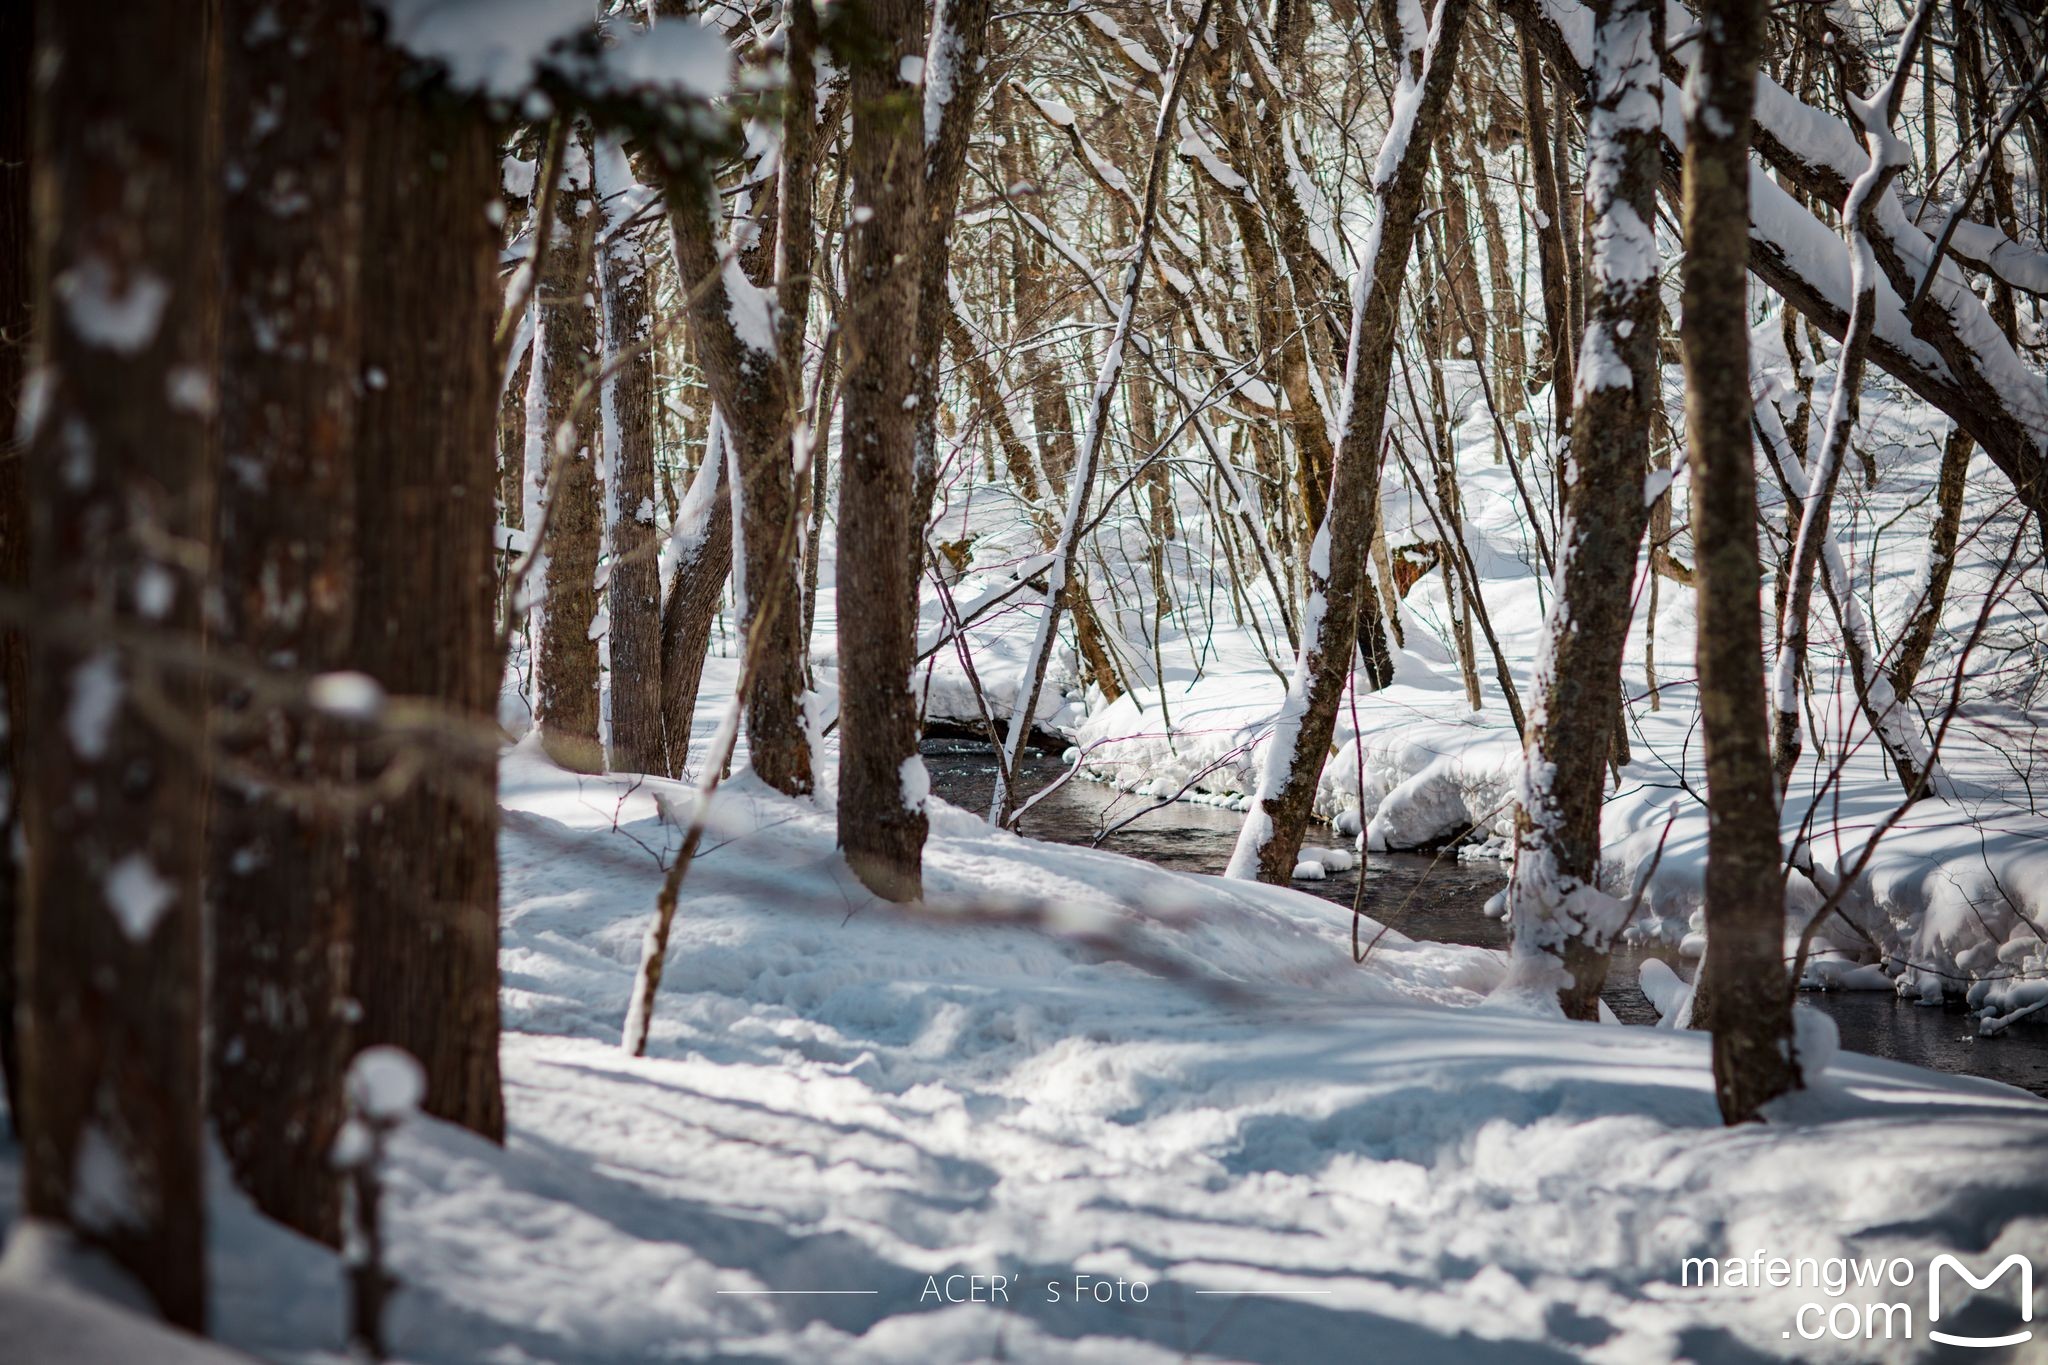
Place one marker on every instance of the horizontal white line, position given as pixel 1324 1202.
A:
pixel 799 1291
pixel 1241 1293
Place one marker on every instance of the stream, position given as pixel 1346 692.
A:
pixel 1441 898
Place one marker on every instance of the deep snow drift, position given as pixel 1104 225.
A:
pixel 1070 1065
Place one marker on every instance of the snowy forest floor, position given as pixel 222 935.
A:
pixel 1074 1064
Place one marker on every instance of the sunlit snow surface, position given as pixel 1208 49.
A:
pixel 840 1096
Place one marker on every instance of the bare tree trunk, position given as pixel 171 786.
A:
pixel 1896 729
pixel 882 787
pixel 821 425
pixel 748 325
pixel 1977 374
pixel 1550 209
pixel 1033 308
pixel 277 874
pixel 1510 357
pixel 425 964
pixel 1918 635
pixel 1272 833
pixel 1465 303
pixel 120 457
pixel 1746 1003
pixel 17 46
pixel 512 442
pixel 696 586
pixel 1563 923
pixel 633 584
pixel 953 72
pixel 564 349
pixel 778 742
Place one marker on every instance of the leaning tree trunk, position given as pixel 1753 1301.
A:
pixel 1273 831
pixel 633 582
pixel 277 875
pixel 703 562
pixel 425 965
pixel 1917 636
pixel 564 345
pixel 1563 923
pixel 1745 1001
pixel 120 469
pixel 1888 718
pixel 1895 727
pixel 16 47
pixel 953 73
pixel 882 789
pixel 748 326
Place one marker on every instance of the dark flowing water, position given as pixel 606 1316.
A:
pixel 1442 899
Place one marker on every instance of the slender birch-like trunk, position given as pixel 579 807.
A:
pixel 1890 720
pixel 953 72
pixel 1273 831
pixel 1917 636
pixel 703 561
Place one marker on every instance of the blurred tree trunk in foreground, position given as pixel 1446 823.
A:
pixel 120 464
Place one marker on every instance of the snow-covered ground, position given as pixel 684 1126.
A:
pixel 1071 1075
pixel 1071 1069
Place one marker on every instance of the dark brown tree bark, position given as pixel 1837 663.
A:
pixel 1744 998
pixel 120 452
pixel 633 582
pixel 954 78
pixel 1551 267
pixel 1272 834
pixel 771 501
pixel 882 818
pixel 696 587
pixel 564 352
pixel 425 965
pixel 1917 637
pixel 17 46
pixel 512 442
pixel 748 326
pixel 277 874
pixel 1563 922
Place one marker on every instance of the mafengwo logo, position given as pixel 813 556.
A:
pixel 2012 1262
